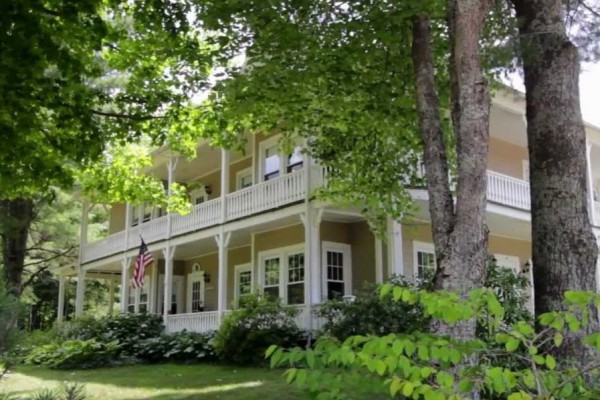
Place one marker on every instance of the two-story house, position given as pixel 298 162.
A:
pixel 255 226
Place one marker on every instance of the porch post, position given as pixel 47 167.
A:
pixel 125 283
pixel 80 292
pixel 222 240
pixel 127 225
pixel 311 219
pixel 60 315
pixel 171 167
pixel 395 249
pixel 111 296
pixel 169 253
pixel 590 183
pixel 153 295
pixel 224 183
pixel 378 260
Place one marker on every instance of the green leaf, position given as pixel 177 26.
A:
pixel 270 350
pixel 395 386
pixel 550 362
pixel 512 344
pixel 407 389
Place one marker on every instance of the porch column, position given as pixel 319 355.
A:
pixel 111 296
pixel 80 292
pixel 60 315
pixel 378 260
pixel 125 283
pixel 311 219
pixel 127 225
pixel 395 249
pixel 590 183
pixel 169 254
pixel 222 240
pixel 153 295
pixel 171 167
pixel 224 183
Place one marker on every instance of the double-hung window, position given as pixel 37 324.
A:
pixel 424 259
pixel 275 162
pixel 282 274
pixel 337 270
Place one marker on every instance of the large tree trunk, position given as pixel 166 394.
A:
pixel 459 234
pixel 564 247
pixel 15 220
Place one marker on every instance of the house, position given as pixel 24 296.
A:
pixel 254 225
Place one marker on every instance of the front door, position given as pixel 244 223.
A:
pixel 195 292
pixel 176 294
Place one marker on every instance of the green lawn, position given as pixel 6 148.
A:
pixel 159 382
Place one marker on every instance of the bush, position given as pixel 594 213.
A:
pixel 246 333
pixel 371 314
pixel 74 354
pixel 180 346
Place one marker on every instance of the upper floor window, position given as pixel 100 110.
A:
pixel 244 178
pixel 198 196
pixel 274 162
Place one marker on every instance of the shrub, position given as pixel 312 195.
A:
pixel 428 366
pixel 74 354
pixel 371 314
pixel 70 391
pixel 180 346
pixel 246 333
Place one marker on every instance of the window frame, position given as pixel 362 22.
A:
pixel 346 250
pixel 283 158
pixel 238 269
pixel 422 247
pixel 197 275
pixel 282 253
pixel 241 174
pixel 197 194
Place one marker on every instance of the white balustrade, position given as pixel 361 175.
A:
pixel 193 322
pixel 266 195
pixel 104 247
pixel 507 190
pixel 203 215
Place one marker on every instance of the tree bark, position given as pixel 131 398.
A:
pixel 459 233
pixel 16 216
pixel 563 244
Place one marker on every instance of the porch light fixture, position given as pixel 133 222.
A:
pixel 526 268
pixel 206 277
pixel 208 189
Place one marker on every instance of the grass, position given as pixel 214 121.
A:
pixel 158 382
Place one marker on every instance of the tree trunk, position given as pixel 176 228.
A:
pixel 16 216
pixel 564 247
pixel 459 233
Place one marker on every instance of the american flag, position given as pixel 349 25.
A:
pixel 143 259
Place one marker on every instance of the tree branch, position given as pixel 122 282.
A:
pixel 126 116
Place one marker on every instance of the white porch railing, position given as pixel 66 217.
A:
pixel 209 321
pixel 193 322
pixel 507 190
pixel 202 216
pixel 104 247
pixel 266 195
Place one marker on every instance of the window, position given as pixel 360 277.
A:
pixel 146 212
pixel 274 162
pixel 271 162
pixel 281 274
pixel 135 216
pixel 295 282
pixel 195 291
pixel 176 305
pixel 244 178
pixel 143 304
pixel 243 282
pixel 198 196
pixel 295 160
pixel 131 300
pixel 424 259
pixel 271 278
pixel 337 272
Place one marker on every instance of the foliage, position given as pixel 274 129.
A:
pixel 425 366
pixel 371 314
pixel 245 334
pixel 74 354
pixel 180 346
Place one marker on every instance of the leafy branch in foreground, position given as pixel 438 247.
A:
pixel 432 367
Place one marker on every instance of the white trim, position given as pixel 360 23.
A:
pixel 241 174
pixel 282 253
pixel 525 171
pixel 247 267
pixel 422 247
pixel 346 250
